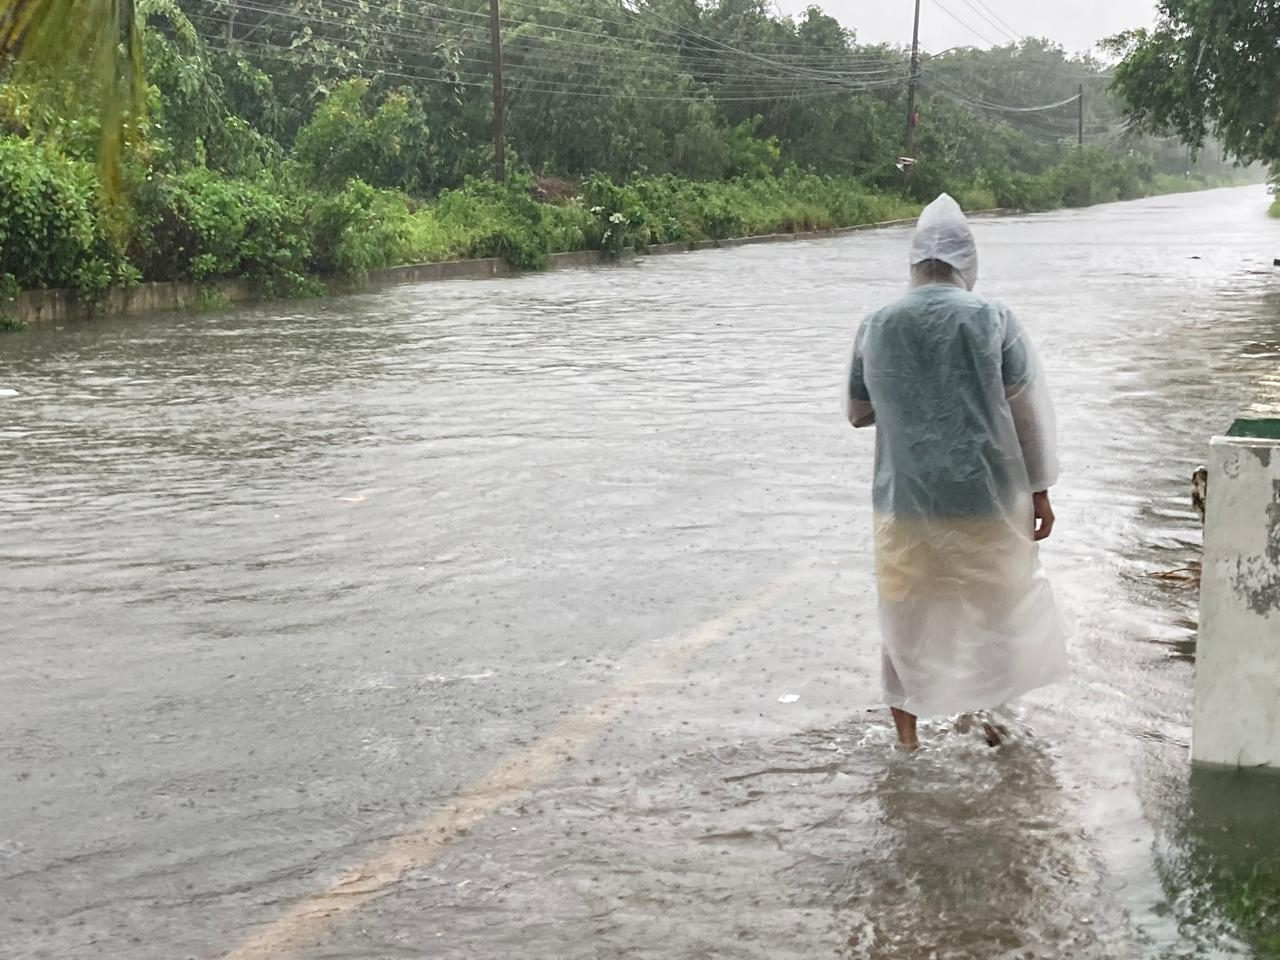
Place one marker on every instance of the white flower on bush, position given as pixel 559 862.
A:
pixel 617 218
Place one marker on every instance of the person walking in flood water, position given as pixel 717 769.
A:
pixel 965 457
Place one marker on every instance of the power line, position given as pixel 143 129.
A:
pixel 984 104
pixel 717 43
pixel 977 33
pixel 730 84
pixel 972 6
pixel 1004 108
pixel 639 12
pixel 1047 135
pixel 680 34
pixel 999 19
pixel 595 48
pixel 741 95
pixel 773 80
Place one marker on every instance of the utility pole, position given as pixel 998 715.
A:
pixel 1080 103
pixel 911 88
pixel 495 55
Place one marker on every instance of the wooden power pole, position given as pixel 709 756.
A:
pixel 499 133
pixel 1080 104
pixel 911 88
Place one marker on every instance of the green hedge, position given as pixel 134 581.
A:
pixel 51 231
pixel 670 210
pixel 197 225
pixel 282 229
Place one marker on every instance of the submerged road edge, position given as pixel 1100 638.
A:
pixel 59 305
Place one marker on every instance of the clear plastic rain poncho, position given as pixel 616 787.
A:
pixel 964 435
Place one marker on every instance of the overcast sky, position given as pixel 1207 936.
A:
pixel 1076 24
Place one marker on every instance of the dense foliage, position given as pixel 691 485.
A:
pixel 303 138
pixel 1211 68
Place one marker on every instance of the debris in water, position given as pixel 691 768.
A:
pixel 1188 574
pixel 8 392
pixel 789 698
pixel 358 498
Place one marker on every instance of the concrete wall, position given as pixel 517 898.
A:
pixel 1237 709
pixel 46 306
pixel 51 306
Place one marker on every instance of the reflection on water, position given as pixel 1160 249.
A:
pixel 825 841
pixel 980 846
pixel 1222 865
pixel 282 580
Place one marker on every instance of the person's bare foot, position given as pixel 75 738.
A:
pixel 995 734
pixel 906 727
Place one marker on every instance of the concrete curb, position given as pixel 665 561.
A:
pixel 53 306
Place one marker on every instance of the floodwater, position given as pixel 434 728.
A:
pixel 282 589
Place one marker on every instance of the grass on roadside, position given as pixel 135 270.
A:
pixel 1254 907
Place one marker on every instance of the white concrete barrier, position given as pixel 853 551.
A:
pixel 1237 703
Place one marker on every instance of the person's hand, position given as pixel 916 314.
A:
pixel 1044 515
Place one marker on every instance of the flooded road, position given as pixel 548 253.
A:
pixel 535 618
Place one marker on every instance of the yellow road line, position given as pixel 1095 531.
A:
pixel 427 839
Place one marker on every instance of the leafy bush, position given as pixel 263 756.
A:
pixel 620 216
pixel 198 225
pixel 1022 191
pixel 51 233
pixel 565 226
pixel 357 230
pixel 1090 176
pixel 667 209
pixel 386 146
pixel 497 220
pixel 362 229
pixel 749 155
pixel 976 198
pixel 203 225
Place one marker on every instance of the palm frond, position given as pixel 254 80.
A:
pixel 96 44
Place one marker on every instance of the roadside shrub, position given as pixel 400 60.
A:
pixel 386 145
pixel 496 220
pixel 619 215
pixel 976 198
pixel 748 155
pixel 565 225
pixel 363 229
pixel 1088 177
pixel 51 231
pixel 355 230
pixel 203 225
pixel 1022 191
pixel 198 225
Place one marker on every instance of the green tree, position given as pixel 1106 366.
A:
pixel 386 145
pixel 1210 68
